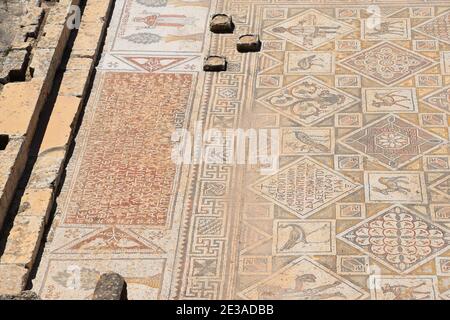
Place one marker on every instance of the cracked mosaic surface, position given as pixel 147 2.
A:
pixel 359 208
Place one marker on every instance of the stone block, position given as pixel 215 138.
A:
pixel 23 241
pixel 80 64
pixel 18 102
pixel 249 43
pixel 88 39
pixel 52 37
pixel 12 160
pixel 74 83
pixel 42 63
pixel 96 11
pixel 36 202
pixel 57 14
pixel 215 64
pixel 13 279
pixel 61 123
pixel 14 66
pixel 110 286
pixel 221 23
pixel 47 169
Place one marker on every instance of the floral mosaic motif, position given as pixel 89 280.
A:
pixel 399 238
pixel 308 101
pixel 387 63
pixel 393 141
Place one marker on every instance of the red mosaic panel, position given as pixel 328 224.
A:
pixel 126 175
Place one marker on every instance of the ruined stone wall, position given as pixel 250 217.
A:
pixel 21 102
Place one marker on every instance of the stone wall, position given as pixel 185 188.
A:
pixel 22 102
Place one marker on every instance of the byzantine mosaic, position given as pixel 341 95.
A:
pixel 359 208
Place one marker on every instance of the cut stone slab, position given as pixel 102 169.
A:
pixel 110 286
pixel 35 202
pixel 215 64
pixel 18 102
pixel 221 23
pixel 60 126
pixel 249 43
pixel 43 62
pixel 23 241
pixel 80 64
pixel 47 169
pixel 13 279
pixel 74 82
pixel 11 158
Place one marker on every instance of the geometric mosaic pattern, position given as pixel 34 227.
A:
pixel 392 141
pixel 308 101
pixel 439 99
pixel 105 193
pixel 398 238
pixel 305 187
pixel 387 63
pixel 438 28
pixel 359 205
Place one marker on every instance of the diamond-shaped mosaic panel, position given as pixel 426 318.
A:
pixel 387 63
pixel 393 141
pixel 305 186
pixel 308 101
pixel 398 238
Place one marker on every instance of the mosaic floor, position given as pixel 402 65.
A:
pixel 360 205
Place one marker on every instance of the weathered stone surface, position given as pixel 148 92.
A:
pixel 61 122
pixel 53 36
pixel 57 14
pixel 24 295
pixel 110 286
pixel 96 11
pixel 47 168
pixel 33 16
pixel 221 23
pixel 13 279
pixel 11 160
pixel 74 83
pixel 14 66
pixel 10 13
pixel 20 107
pixel 249 43
pixel 36 202
pixel 23 240
pixel 17 106
pixel 88 38
pixel 215 64
pixel 43 63
pixel 80 64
